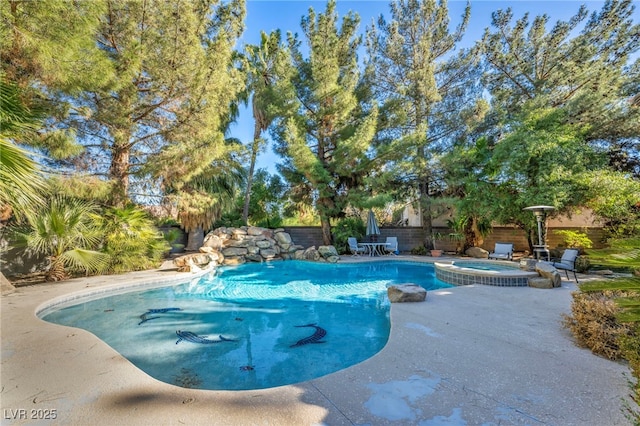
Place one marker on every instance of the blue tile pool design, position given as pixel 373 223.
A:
pixel 250 327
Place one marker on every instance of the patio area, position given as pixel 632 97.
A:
pixel 467 356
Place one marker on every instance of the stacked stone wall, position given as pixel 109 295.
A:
pixel 235 246
pixel 253 244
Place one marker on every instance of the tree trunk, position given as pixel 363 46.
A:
pixel 530 239
pixel 479 238
pixel 56 271
pixel 472 235
pixel 255 147
pixel 325 225
pixel 119 172
pixel 323 206
pixel 195 239
pixel 427 222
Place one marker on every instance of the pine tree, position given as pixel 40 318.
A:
pixel 587 75
pixel 326 134
pixel 406 58
pixel 48 51
pixel 159 119
pixel 559 101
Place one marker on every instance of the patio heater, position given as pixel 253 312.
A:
pixel 540 212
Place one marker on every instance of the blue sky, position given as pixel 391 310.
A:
pixel 268 15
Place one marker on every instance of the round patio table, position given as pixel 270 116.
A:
pixel 374 249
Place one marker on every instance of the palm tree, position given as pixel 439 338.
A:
pixel 20 177
pixel 131 239
pixel 65 231
pixel 265 66
pixel 203 199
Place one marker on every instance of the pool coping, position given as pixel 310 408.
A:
pixel 473 354
pixel 89 294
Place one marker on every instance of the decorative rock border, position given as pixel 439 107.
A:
pixel 235 246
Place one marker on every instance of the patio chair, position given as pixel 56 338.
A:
pixel 567 262
pixel 391 246
pixel 502 251
pixel 355 248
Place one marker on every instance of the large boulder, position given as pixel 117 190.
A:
pixel 528 264
pixel 311 254
pixel 401 293
pixel 213 254
pixel 195 262
pixel 327 251
pixel 232 261
pixel 282 238
pixel 268 253
pixel 254 257
pixel 540 282
pixel 263 244
pixel 546 270
pixel 238 243
pixel 212 240
pixel 234 251
pixel 255 231
pixel 477 252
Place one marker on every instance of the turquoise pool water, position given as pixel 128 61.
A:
pixel 253 326
pixel 486 266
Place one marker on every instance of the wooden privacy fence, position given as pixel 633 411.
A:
pixel 413 236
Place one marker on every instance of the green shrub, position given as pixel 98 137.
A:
pixel 171 235
pixel 232 219
pixel 574 239
pixel 131 240
pixel 64 230
pixel 345 228
pixel 582 264
pixel 623 254
pixel 419 251
pixel 270 222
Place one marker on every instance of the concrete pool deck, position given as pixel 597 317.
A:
pixel 472 355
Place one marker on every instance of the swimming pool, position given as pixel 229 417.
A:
pixel 253 326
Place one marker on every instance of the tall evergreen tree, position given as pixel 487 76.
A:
pixel 326 134
pixel 588 74
pixel 48 51
pixel 267 67
pixel 406 63
pixel 559 102
pixel 160 116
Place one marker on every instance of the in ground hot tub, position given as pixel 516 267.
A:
pixel 495 273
